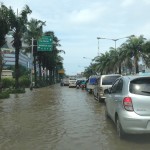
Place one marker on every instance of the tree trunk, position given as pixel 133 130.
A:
pixel 17 68
pixel 35 75
pixel 1 68
pixel 136 65
pixel 40 73
pixel 119 69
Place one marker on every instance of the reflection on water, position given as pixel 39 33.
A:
pixel 59 118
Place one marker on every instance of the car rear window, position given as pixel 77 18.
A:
pixel 109 80
pixel 140 86
pixel 93 81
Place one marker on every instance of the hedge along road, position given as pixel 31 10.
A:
pixel 60 118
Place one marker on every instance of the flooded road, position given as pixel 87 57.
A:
pixel 60 118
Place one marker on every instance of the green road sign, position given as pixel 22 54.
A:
pixel 45 43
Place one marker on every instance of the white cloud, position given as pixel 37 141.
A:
pixel 83 16
pixel 88 15
pixel 126 3
pixel 143 30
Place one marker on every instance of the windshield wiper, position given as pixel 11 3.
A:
pixel 145 91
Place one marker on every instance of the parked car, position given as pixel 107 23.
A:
pixel 104 82
pixel 66 81
pixel 128 104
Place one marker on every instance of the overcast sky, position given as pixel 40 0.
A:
pixel 78 23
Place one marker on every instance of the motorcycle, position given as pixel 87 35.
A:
pixel 77 86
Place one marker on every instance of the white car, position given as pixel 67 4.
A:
pixel 72 82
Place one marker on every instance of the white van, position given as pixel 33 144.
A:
pixel 104 82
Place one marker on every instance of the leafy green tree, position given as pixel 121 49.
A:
pixel 134 47
pixel 6 17
pixel 103 63
pixel 50 59
pixel 35 31
pixel 19 28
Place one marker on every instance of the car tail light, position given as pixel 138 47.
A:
pixel 127 103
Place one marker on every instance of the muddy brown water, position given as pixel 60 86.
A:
pixel 60 118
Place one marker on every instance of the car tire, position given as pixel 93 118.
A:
pixel 99 98
pixel 120 131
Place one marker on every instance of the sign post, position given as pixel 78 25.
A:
pixel 45 44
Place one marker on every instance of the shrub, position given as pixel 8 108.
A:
pixel 4 94
pixel 20 90
pixel 24 81
pixel 7 82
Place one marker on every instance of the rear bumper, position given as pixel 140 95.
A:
pixel 72 85
pixel 135 124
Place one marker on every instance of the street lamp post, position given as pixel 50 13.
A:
pixel 87 58
pixel 115 40
pixel 98 44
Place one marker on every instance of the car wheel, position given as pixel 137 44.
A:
pixel 120 131
pixel 99 99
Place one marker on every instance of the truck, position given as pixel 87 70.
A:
pixel 91 83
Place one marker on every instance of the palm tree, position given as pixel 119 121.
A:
pixel 6 16
pixel 115 63
pixel 146 56
pixel 35 31
pixel 126 61
pixel 51 58
pixel 19 28
pixel 91 70
pixel 135 48
pixel 103 63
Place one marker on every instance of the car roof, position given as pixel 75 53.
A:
pixel 111 75
pixel 132 77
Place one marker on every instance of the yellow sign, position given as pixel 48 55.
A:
pixel 61 71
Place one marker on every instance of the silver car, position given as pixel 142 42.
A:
pixel 128 104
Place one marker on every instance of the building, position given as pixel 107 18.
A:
pixel 8 54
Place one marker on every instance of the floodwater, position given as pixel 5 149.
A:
pixel 60 118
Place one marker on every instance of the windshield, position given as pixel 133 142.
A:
pixel 109 80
